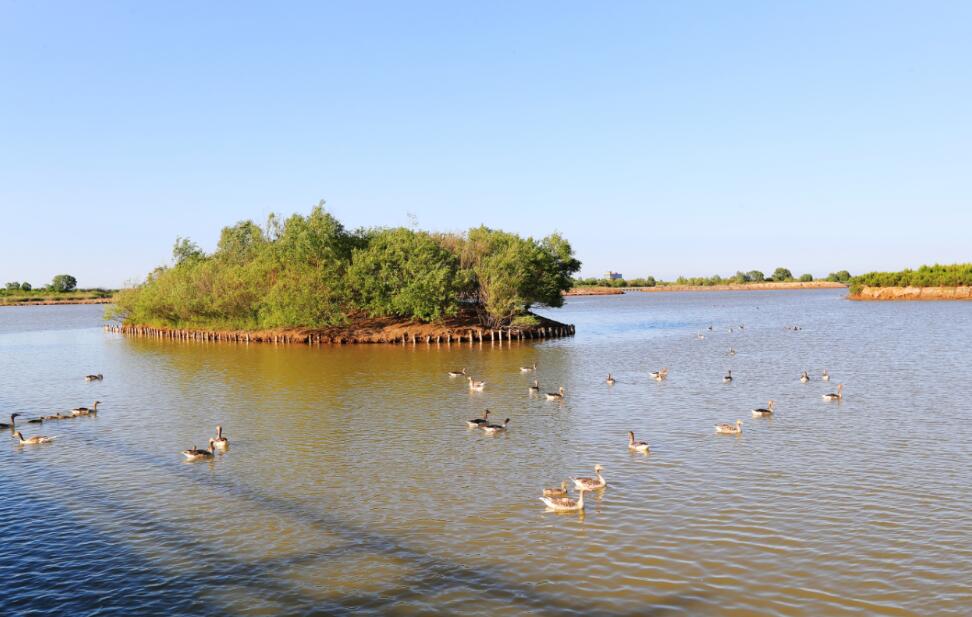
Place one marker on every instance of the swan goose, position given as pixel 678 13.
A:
pixel 637 446
pixel 591 483
pixel 730 429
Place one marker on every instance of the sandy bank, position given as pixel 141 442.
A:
pixel 743 286
pixel 594 291
pixel 50 302
pixel 913 293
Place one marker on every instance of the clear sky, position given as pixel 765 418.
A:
pixel 661 138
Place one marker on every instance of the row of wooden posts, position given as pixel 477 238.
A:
pixel 470 336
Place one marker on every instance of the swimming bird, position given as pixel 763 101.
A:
pixel 728 377
pixel 804 377
pixel 478 422
pixel 528 369
pixel 220 442
pixel 556 396
pixel 556 492
pixel 58 416
pixel 732 351
pixel 730 429
pixel 476 385
pixel 33 441
pixel 97 377
pixel 195 454
pixel 610 380
pixel 13 421
pixel 535 387
pixel 37 420
pixel 84 411
pixel 637 446
pixel 765 411
pixel 591 483
pixel 659 375
pixel 496 428
pixel 700 336
pixel 457 373
pixel 835 396
pixel 825 376
pixel 565 504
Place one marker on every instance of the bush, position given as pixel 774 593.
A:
pixel 13 286
pixel 755 276
pixel 926 276
pixel 806 278
pixel 782 274
pixel 839 277
pixel 63 283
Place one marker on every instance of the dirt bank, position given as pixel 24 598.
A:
pixel 743 286
pixel 913 293
pixel 594 291
pixel 59 301
pixel 464 328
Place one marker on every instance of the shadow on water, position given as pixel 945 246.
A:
pixel 111 578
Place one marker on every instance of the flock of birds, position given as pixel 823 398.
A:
pixel 558 499
pixel 217 443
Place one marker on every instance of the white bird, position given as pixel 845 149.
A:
pixel 476 385
pixel 195 454
pixel 728 377
pixel 457 373
pixel 610 380
pixel 835 396
pixel 804 377
pixel 659 375
pixel 528 369
pixel 765 411
pixel 825 376
pixel 496 428
pixel 730 429
pixel 535 387
pixel 637 446
pixel 220 442
pixel 478 422
pixel 556 396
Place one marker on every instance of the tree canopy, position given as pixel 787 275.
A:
pixel 309 271
pixel 64 282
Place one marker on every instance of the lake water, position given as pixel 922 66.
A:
pixel 353 485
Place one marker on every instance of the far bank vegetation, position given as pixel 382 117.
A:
pixel 954 275
pixel 739 278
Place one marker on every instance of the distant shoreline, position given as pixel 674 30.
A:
pixel 601 291
pixel 50 302
pixel 893 294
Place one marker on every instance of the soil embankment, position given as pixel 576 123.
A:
pixel 464 328
pixel 743 286
pixel 913 293
pixel 50 301
pixel 594 291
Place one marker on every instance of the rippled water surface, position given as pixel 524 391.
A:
pixel 353 485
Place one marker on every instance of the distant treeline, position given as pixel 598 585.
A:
pixel 954 275
pixel 309 271
pixel 740 278
pixel 62 283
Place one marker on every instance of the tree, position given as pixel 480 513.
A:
pixel 806 278
pixel 839 277
pixel 13 286
pixel 782 274
pixel 25 286
pixel 64 282
pixel 755 276
pixel 186 250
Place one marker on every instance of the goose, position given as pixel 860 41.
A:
pixel 556 492
pixel 610 380
pixel 591 483
pixel 659 375
pixel 535 387
pixel 97 377
pixel 528 369
pixel 565 504
pixel 728 377
pixel 804 377
pixel 220 442
pixel 37 420
pixel 58 416
pixel 84 411
pixel 457 373
pixel 195 454
pixel 33 441
pixel 478 422
pixel 637 446
pixel 731 351
pixel 765 411
pixel 700 336
pixel 496 428
pixel 730 429
pixel 825 376
pixel 13 422
pixel 835 396
pixel 556 396
pixel 476 385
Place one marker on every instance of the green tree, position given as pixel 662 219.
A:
pixel 841 276
pixel 185 249
pixel 806 278
pixel 64 282
pixel 25 286
pixel 782 274
pixel 755 276
pixel 13 286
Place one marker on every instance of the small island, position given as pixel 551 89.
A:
pixel 63 289
pixel 308 279
pixel 937 282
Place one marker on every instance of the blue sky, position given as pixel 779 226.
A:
pixel 661 138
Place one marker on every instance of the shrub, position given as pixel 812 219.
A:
pixel 63 283
pixel 806 278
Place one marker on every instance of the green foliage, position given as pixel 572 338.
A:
pixel 782 274
pixel 842 276
pixel 25 286
pixel 309 271
pixel 13 286
pixel 525 321
pixel 806 278
pixel 755 276
pixel 64 282
pixel 954 275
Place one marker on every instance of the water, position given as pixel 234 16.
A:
pixel 353 485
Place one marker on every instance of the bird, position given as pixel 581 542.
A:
pixel 728 377
pixel 804 377
pixel 459 373
pixel 556 492
pixel 528 369
pixel 97 377
pixel 476 385
pixel 535 387
pixel 700 336
pixel 835 396
pixel 637 446
pixel 730 429
pixel 556 396
pixel 731 351
pixel 765 411
pixel 58 416
pixel 84 411
pixel 495 428
pixel 591 483
pixel 220 442
pixel 478 422
pixel 13 422
pixel 37 420
pixel 33 441
pixel 825 376
pixel 659 375
pixel 610 380
pixel 195 454
pixel 565 504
